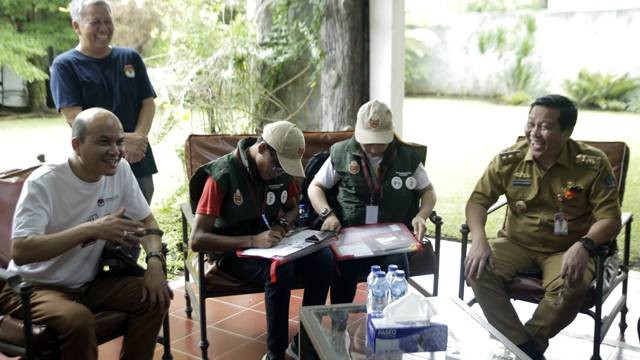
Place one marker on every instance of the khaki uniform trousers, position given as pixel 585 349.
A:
pixel 558 307
pixel 70 313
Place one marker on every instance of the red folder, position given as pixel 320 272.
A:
pixel 374 240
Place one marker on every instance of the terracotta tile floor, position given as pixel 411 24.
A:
pixel 236 325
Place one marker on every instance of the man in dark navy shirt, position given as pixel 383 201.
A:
pixel 94 74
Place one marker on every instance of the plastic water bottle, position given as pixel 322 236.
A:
pixel 303 215
pixel 379 291
pixel 398 288
pixel 370 278
pixel 391 272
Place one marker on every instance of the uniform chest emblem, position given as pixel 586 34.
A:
pixel 271 198
pixel 237 198
pixel 284 196
pixel 129 71
pixel 354 167
pixel 396 182
pixel 411 183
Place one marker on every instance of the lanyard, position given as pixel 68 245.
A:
pixel 375 184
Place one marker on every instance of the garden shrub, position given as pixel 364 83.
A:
pixel 604 91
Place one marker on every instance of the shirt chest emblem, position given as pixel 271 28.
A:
pixel 354 167
pixel 396 182
pixel 129 71
pixel 411 183
pixel 271 198
pixel 237 198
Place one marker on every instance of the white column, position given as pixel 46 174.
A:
pixel 386 55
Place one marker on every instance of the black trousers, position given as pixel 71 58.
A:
pixel 317 271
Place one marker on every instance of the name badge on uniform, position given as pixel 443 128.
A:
pixel 560 223
pixel 521 182
pixel 371 214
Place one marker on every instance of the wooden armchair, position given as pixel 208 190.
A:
pixel 610 272
pixel 19 336
pixel 207 280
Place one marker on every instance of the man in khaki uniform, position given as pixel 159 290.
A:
pixel 563 203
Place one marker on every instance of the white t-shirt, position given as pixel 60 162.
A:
pixel 54 199
pixel 328 177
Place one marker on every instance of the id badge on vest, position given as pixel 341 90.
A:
pixel 371 214
pixel 560 223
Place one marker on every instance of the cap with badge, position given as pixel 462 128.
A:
pixel 288 142
pixel 374 124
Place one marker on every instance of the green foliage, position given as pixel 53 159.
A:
pixel 168 217
pixel 492 39
pixel 27 29
pixel 414 58
pixel 604 91
pixel 516 45
pixel 521 75
pixel 230 73
pixel 517 98
pixel 501 6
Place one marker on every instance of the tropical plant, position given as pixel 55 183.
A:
pixel 28 28
pixel 604 91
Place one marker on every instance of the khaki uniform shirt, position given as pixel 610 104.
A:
pixel 534 194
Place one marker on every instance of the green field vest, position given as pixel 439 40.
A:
pixel 245 197
pixel 398 200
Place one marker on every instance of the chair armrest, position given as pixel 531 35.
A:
pixel 187 213
pixel 23 289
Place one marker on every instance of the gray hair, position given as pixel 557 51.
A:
pixel 77 7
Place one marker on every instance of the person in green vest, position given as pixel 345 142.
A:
pixel 248 198
pixel 379 178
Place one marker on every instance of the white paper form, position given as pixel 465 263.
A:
pixel 287 246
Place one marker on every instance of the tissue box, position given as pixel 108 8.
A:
pixel 387 336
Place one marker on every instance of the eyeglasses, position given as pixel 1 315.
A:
pixel 276 167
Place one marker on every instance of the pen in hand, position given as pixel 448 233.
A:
pixel 266 223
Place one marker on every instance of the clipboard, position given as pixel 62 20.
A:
pixel 374 240
pixel 293 246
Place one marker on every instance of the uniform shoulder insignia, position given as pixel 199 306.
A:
pixel 589 161
pixel 507 157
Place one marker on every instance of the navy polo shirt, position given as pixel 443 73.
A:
pixel 118 82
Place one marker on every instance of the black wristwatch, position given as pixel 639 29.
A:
pixel 156 254
pixel 324 213
pixel 588 245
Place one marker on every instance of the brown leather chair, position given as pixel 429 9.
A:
pixel 610 272
pixel 199 150
pixel 20 337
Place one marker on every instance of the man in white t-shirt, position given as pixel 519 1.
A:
pixel 65 216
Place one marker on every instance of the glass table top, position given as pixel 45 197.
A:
pixel 339 332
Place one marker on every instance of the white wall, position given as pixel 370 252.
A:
pixel 603 41
pixel 13 90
